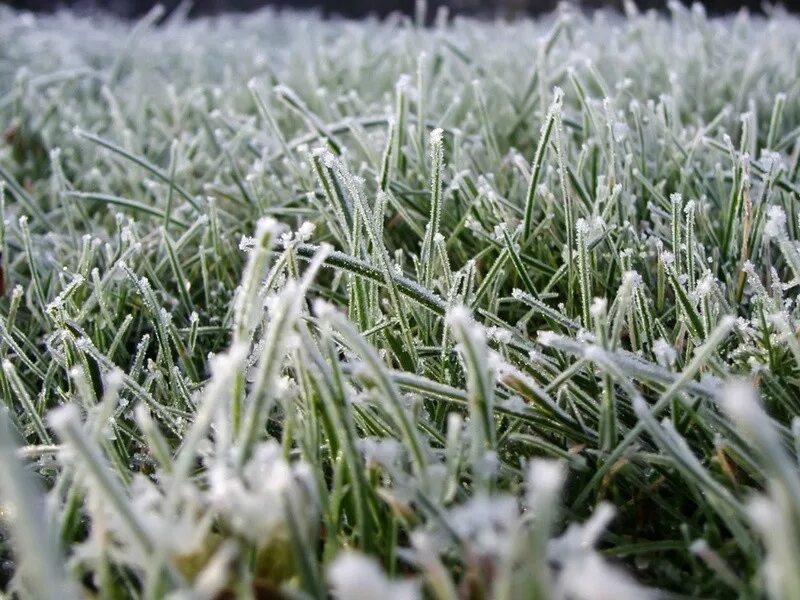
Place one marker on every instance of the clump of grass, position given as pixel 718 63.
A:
pixel 488 310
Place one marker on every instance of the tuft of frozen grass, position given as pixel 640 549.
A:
pixel 313 308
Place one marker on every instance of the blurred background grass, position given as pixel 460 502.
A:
pixel 364 8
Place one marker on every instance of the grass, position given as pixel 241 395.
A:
pixel 483 310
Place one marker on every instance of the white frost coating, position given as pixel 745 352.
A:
pixel 632 278
pixel 699 547
pixel 403 83
pixel 499 230
pixel 62 417
pixel 667 258
pixel 252 503
pixel 142 415
pixel 114 378
pixel 752 277
pixel 487 523
pixel 459 316
pixel 246 243
pixel 665 353
pixel 597 524
pixel 305 231
pixel 547 338
pixel 770 160
pixel 326 156
pixel 619 130
pixel 436 136
pixel 323 309
pixel 591 578
pixel 740 401
pixel 705 286
pixel 455 421
pixel 594 353
pixel 473 225
pixel 763 513
pixel 58 301
pixel 354 576
pixel 598 307
pixel 775 227
pixel 494 361
pixel 545 477
pixel 499 334
pixel 385 452
pixel 514 404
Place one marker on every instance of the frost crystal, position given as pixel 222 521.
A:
pixel 667 258
pixel 665 353
pixel 355 576
pixel 306 231
pixel 775 227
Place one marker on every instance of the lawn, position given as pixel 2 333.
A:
pixel 302 308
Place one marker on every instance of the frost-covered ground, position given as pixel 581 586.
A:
pixel 485 310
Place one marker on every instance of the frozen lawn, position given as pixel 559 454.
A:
pixel 482 310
